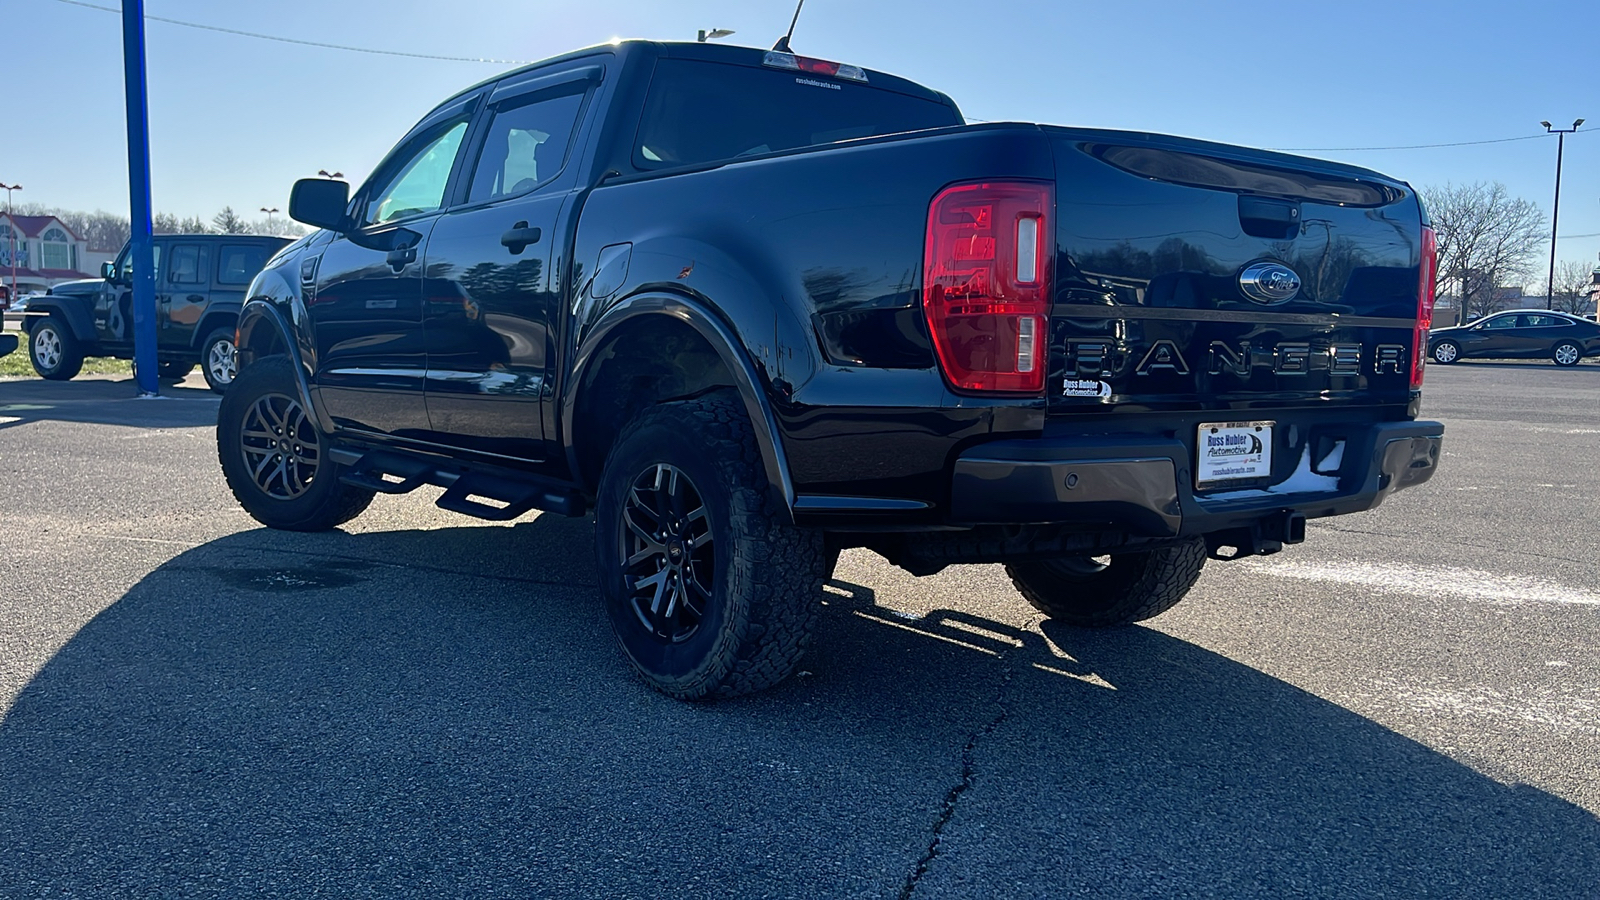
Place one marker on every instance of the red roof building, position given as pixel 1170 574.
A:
pixel 39 252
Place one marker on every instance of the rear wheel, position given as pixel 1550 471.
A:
pixel 1567 353
pixel 1446 352
pixel 53 350
pixel 1120 589
pixel 710 593
pixel 274 458
pixel 219 360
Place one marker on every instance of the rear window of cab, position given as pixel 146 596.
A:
pixel 699 112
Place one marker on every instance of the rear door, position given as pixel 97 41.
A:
pixel 181 293
pixel 366 310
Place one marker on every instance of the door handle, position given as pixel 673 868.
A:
pixel 519 237
pixel 401 257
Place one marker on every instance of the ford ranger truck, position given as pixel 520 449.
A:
pixel 750 308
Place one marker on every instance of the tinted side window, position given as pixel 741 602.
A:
pixel 239 263
pixel 526 145
pixel 125 262
pixel 1544 322
pixel 1501 322
pixel 188 264
pixel 416 184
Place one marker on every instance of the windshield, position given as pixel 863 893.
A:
pixel 700 111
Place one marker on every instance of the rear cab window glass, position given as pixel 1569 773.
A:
pixel 239 263
pixel 526 145
pixel 698 111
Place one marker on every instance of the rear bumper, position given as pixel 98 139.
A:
pixel 1142 486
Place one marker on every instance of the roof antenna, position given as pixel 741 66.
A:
pixel 782 46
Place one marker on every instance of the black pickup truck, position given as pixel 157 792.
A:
pixel 200 285
pixel 753 308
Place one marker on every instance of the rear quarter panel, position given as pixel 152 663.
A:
pixel 814 259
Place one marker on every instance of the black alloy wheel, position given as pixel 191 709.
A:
pixel 710 591
pixel 668 552
pixel 280 446
pixel 275 458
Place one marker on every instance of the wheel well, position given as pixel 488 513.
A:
pixel 651 360
pixel 260 340
pixel 212 323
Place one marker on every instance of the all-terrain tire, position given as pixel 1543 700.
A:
pixel 274 458
pixel 1130 588
pixel 55 353
pixel 219 360
pixel 743 585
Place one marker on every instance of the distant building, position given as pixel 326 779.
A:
pixel 39 252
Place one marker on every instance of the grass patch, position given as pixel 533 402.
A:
pixel 16 363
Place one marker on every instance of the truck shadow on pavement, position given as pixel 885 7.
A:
pixel 106 402
pixel 432 713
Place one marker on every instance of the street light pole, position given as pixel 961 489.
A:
pixel 11 231
pixel 269 213
pixel 1555 213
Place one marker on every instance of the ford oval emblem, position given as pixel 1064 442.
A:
pixel 1270 283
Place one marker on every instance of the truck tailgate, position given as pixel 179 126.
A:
pixel 1177 266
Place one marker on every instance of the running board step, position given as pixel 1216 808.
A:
pixel 486 493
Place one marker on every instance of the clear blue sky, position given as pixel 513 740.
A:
pixel 234 120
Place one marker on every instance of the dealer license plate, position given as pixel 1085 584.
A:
pixel 1232 451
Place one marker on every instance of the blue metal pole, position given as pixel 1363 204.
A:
pixel 141 251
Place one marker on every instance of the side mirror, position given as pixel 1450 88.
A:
pixel 320 203
pixel 108 271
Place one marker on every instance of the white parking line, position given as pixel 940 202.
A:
pixel 1432 581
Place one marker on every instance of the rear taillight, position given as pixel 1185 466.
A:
pixel 1425 279
pixel 986 284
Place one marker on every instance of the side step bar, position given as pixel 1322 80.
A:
pixel 466 488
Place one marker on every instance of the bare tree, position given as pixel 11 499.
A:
pixel 1487 239
pixel 1573 283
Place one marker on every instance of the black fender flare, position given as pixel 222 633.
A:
pixel 79 319
pixel 212 320
pixel 260 319
pixel 727 346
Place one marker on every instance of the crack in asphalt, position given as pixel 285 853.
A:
pixel 947 809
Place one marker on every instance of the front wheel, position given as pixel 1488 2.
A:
pixel 1100 592
pixel 54 352
pixel 1567 353
pixel 710 593
pixel 1446 352
pixel 219 360
pixel 274 458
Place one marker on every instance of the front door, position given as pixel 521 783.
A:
pixel 113 310
pixel 493 277
pixel 366 311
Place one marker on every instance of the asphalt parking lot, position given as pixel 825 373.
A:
pixel 424 705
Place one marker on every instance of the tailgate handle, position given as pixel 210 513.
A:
pixel 1269 217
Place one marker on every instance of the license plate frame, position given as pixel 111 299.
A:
pixel 1232 453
